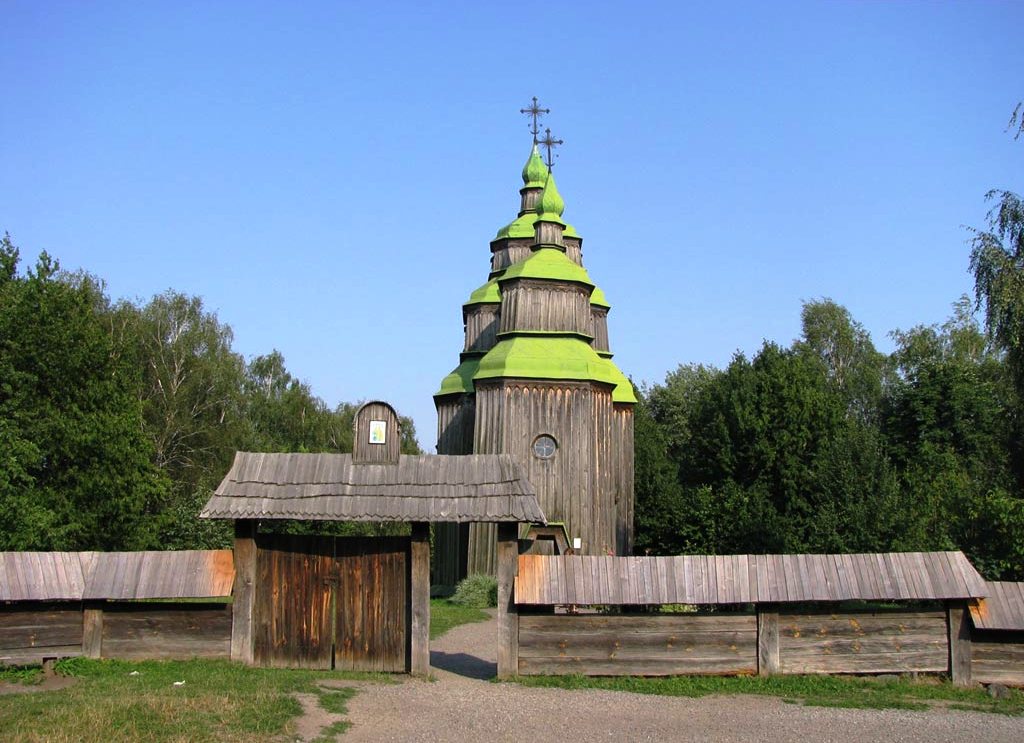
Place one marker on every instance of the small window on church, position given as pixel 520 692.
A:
pixel 544 446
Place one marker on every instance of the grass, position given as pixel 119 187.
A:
pixel 219 701
pixel 444 615
pixel 21 674
pixel 821 691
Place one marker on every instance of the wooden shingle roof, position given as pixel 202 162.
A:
pixel 741 579
pixel 74 576
pixel 1003 607
pixel 330 487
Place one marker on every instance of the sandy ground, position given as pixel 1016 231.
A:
pixel 461 705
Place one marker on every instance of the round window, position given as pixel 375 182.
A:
pixel 544 446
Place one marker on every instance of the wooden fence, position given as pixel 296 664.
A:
pixel 113 605
pixel 759 614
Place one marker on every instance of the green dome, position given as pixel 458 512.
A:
pixel 461 378
pixel 547 263
pixel 598 299
pixel 623 391
pixel 546 357
pixel 550 204
pixel 487 294
pixel 535 172
pixel 521 227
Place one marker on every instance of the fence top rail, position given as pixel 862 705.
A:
pixel 77 576
pixel 742 579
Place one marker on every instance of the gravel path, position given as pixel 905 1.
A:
pixel 461 706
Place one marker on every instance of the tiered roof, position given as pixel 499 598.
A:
pixel 533 354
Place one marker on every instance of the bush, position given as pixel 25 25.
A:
pixel 478 591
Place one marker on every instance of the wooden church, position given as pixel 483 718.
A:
pixel 536 380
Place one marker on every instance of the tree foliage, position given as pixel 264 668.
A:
pixel 830 446
pixel 118 420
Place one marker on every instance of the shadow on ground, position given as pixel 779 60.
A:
pixel 463 664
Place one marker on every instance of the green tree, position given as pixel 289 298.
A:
pixel 76 470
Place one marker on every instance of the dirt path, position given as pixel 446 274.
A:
pixel 461 706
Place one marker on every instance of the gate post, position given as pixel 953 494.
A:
pixel 419 630
pixel 508 616
pixel 244 591
pixel 958 630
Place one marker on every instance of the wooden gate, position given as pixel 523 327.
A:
pixel 332 602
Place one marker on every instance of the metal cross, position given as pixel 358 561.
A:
pixel 535 112
pixel 548 143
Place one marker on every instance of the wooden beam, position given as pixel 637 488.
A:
pixel 959 629
pixel 92 631
pixel 244 592
pixel 767 642
pixel 419 629
pixel 508 616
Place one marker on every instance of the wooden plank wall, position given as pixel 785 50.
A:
pixel 365 452
pixel 997 657
pixel 33 631
pixel 637 644
pixel 481 327
pixel 135 631
pixel 869 642
pixel 542 305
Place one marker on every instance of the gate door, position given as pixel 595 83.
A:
pixel 332 602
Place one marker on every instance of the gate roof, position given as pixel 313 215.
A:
pixel 330 487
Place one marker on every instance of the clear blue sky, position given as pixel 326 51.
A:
pixel 327 176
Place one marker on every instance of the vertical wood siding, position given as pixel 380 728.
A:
pixel 507 252
pixel 573 251
pixel 365 452
pixel 622 468
pixel 599 321
pixel 531 305
pixel 332 599
pixel 576 486
pixel 481 327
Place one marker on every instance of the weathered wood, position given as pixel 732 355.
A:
pixel 35 627
pixel 767 642
pixel 92 631
pixel 365 450
pixel 863 642
pixel 176 631
pixel 997 657
pixel 645 644
pixel 508 617
pixel 369 579
pixel 419 632
pixel 244 591
pixel 959 627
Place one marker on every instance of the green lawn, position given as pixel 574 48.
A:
pixel 444 615
pixel 122 701
pixel 219 701
pixel 827 691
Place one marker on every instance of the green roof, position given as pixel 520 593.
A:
pixel 550 205
pixel 598 299
pixel 488 294
pixel 547 263
pixel 623 391
pixel 535 172
pixel 546 357
pixel 461 378
pixel 520 227
pixel 524 227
